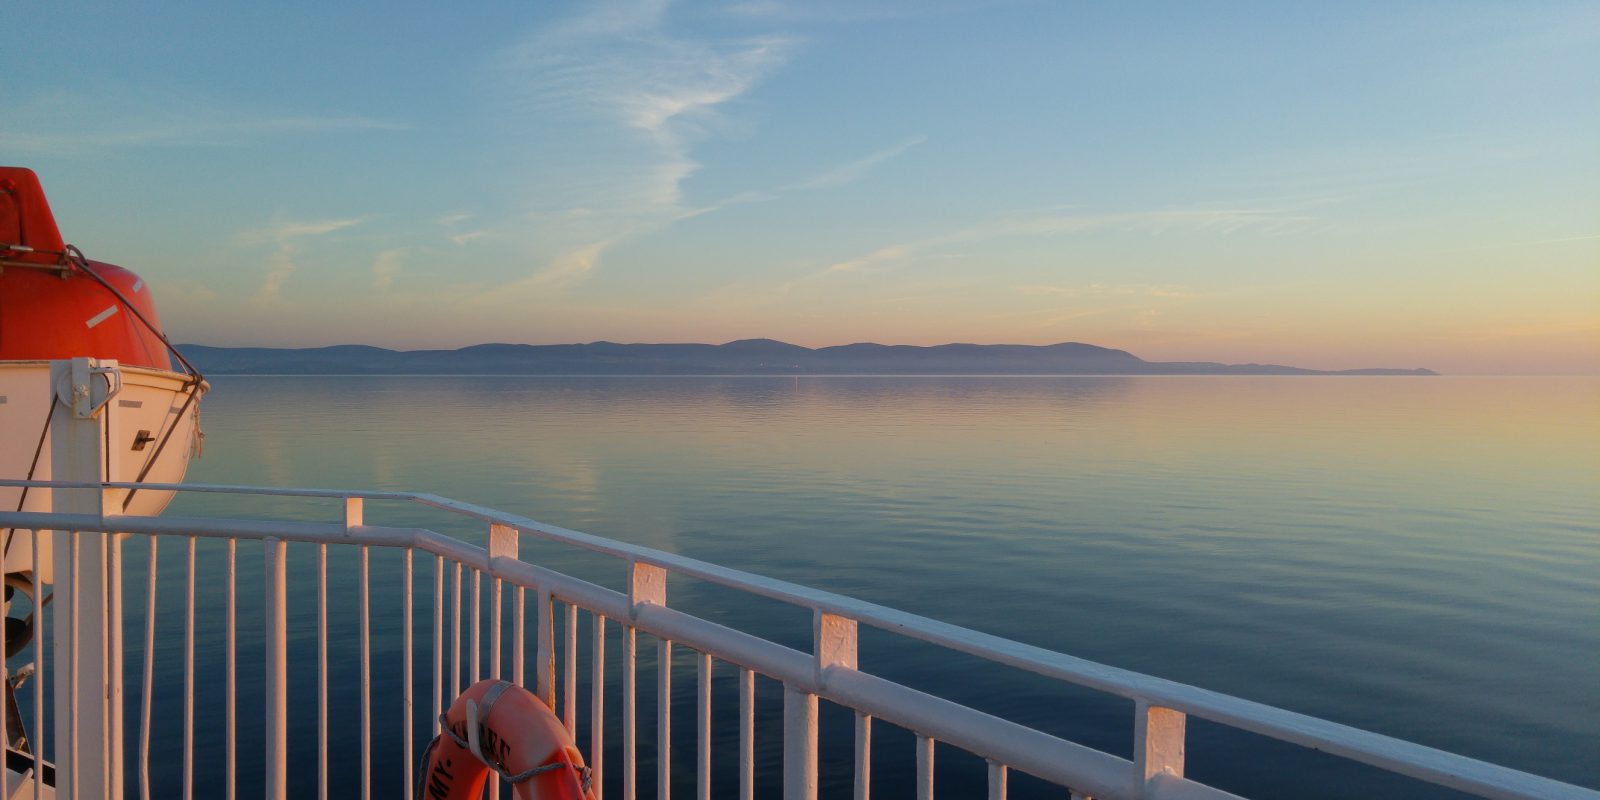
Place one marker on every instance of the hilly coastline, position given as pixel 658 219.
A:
pixel 743 357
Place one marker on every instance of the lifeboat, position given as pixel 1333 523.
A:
pixel 56 304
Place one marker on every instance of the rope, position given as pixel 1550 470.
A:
pixel 474 722
pixel 32 468
pixel 75 257
pixel 444 728
pixel 78 259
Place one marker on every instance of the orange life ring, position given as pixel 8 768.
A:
pixel 497 725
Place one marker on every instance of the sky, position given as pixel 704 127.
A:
pixel 1336 185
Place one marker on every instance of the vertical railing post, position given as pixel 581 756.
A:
pixel 354 517
pixel 833 640
pixel 82 683
pixel 438 642
pixel 863 785
pixel 702 773
pixel 799 744
pixel 5 675
pixel 475 629
pixel 455 638
pixel 663 719
pixel 544 663
pixel 41 541
pixel 114 689
pixel 188 668
pixel 747 734
pixel 997 781
pixel 277 671
pixel 647 585
pixel 924 768
pixel 519 635
pixel 496 622
pixel 147 685
pixel 1158 742
pixel 630 702
pixel 322 671
pixel 503 543
pixel 597 707
pixel 231 675
pixel 569 673
pixel 408 715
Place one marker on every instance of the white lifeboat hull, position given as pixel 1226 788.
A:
pixel 149 409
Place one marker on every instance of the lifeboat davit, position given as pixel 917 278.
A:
pixel 55 304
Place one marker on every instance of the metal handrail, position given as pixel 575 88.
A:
pixel 1030 750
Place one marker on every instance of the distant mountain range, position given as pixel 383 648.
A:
pixel 744 357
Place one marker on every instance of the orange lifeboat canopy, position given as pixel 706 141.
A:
pixel 51 307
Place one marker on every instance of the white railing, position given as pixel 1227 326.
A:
pixel 829 671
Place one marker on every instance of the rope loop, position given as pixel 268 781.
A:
pixel 499 769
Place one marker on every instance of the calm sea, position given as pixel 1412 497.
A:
pixel 1416 557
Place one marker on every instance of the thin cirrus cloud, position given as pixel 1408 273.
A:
pixel 617 71
pixel 618 66
pixel 830 178
pixel 452 223
pixel 285 235
pixel 1099 290
pixel 386 266
pixel 283 231
pixel 566 268
pixel 620 72
pixel 1217 220
pixel 78 124
pixel 852 171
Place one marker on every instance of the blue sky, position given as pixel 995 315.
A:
pixel 1338 185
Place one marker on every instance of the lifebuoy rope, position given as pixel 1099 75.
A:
pixel 475 717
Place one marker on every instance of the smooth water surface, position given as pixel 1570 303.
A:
pixel 1417 557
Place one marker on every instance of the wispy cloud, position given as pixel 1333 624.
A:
pixel 385 267
pixel 279 267
pixel 77 124
pixel 852 171
pixel 567 268
pixel 286 235
pixel 882 255
pixel 831 178
pixel 1096 290
pixel 838 12
pixel 638 99
pixel 460 238
pixel 187 294
pixel 1525 243
pixel 617 63
pixel 283 231
pixel 1217 220
pixel 1548 328
pixel 643 96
